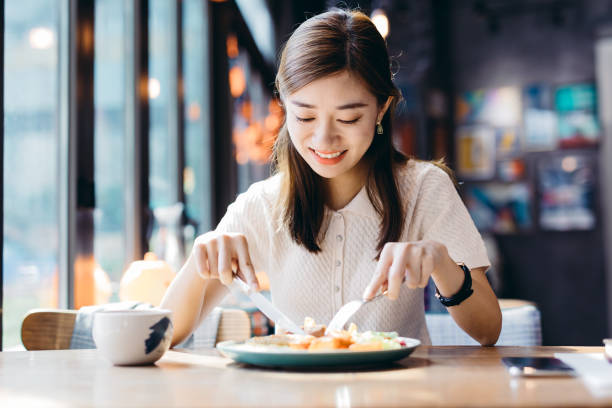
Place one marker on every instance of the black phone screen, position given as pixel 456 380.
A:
pixel 536 366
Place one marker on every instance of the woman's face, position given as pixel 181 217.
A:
pixel 331 122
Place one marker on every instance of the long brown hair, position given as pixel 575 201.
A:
pixel 329 43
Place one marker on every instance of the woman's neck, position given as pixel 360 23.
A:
pixel 340 190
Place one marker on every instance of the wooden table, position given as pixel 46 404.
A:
pixel 432 376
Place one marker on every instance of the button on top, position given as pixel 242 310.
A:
pixel 339 238
pixel 338 263
pixel 337 288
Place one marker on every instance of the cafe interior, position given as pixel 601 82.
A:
pixel 131 125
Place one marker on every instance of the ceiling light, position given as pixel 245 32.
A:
pixel 379 18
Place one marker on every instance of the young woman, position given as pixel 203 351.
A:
pixel 345 215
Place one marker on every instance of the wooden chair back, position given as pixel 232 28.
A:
pixel 51 329
pixel 48 329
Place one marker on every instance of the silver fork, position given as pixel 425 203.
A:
pixel 347 311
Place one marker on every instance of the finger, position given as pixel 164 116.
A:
pixel 201 257
pixel 226 274
pixel 385 286
pixel 427 265
pixel 413 262
pixel 245 266
pixel 397 272
pixel 380 276
pixel 381 273
pixel 213 256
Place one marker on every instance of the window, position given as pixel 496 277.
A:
pixel 110 156
pixel 256 116
pixel 196 71
pixel 41 140
pixel 31 143
pixel 162 102
pixel 164 133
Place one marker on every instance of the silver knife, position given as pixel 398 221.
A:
pixel 266 307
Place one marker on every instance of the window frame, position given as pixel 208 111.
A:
pixel 67 155
pixel 137 215
pixel 1 169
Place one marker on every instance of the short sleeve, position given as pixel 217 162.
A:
pixel 247 215
pixel 443 217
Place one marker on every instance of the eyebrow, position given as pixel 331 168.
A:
pixel 351 105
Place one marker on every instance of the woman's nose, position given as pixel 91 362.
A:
pixel 323 134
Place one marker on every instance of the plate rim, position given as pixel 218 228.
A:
pixel 229 345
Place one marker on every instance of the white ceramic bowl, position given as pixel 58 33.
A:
pixel 133 337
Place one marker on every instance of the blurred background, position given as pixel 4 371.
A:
pixel 130 125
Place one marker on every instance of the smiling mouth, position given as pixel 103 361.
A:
pixel 328 155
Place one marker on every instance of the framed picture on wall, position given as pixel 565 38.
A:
pixel 499 207
pixel 566 186
pixel 500 107
pixel 475 146
pixel 576 106
pixel 511 170
pixel 539 118
pixel 538 96
pixel 469 107
pixel 507 141
pixel 540 130
pixel 578 129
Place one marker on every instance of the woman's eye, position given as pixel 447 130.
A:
pixel 304 119
pixel 347 122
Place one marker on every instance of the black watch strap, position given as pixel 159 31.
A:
pixel 464 293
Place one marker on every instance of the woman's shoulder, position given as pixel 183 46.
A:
pixel 264 190
pixel 414 172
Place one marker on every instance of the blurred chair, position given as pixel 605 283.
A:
pixel 234 324
pixel 48 329
pixel 521 326
pixel 52 329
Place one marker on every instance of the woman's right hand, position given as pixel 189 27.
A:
pixel 221 255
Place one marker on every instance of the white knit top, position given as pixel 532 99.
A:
pixel 317 285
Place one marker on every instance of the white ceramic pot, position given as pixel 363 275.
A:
pixel 133 337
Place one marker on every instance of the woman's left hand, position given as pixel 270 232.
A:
pixel 412 262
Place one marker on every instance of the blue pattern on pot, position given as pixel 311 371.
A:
pixel 158 335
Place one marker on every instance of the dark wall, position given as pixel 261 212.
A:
pixel 518 43
pixel 526 44
pixel 563 272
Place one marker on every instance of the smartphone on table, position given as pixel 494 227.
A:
pixel 537 367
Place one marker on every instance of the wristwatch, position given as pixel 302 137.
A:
pixel 464 293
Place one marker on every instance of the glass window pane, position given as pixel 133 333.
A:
pixel 162 102
pixel 256 117
pixel 31 100
pixel 109 145
pixel 196 174
pixel 167 240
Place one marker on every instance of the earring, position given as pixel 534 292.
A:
pixel 379 128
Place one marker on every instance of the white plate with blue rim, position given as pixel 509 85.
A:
pixel 272 356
